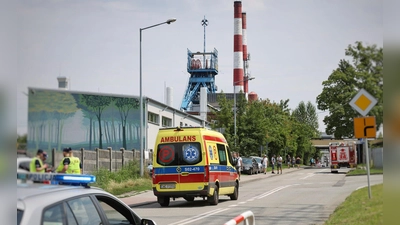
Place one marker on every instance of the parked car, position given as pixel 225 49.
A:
pixel 23 164
pixel 250 165
pixel 259 162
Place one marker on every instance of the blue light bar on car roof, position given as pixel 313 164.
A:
pixel 54 178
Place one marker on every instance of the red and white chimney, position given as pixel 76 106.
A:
pixel 244 36
pixel 238 48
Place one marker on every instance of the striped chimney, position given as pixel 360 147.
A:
pixel 244 36
pixel 238 48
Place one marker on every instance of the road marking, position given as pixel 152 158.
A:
pixel 198 217
pixel 272 191
pixel 242 202
pixel 311 175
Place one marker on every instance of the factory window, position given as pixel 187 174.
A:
pixel 180 124
pixel 153 118
pixel 166 122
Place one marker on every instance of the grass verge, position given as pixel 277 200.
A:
pixel 361 171
pixel 125 180
pixel 359 209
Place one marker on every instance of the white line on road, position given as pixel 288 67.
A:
pixel 272 191
pixel 198 217
pixel 311 175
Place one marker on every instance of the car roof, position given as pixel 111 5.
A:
pixel 27 191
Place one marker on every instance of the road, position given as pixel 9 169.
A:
pixel 304 196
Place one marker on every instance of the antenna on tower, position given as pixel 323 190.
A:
pixel 204 23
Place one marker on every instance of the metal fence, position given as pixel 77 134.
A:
pixel 109 159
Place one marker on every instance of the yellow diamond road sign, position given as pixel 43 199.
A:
pixel 363 102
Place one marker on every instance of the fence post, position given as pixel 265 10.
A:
pixel 111 167
pixel 82 160
pixel 123 156
pixel 97 159
pixel 53 157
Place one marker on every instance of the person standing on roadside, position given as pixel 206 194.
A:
pixel 265 164
pixel 293 161
pixel 273 161
pixel 37 165
pixel 239 164
pixel 69 164
pixel 288 160
pixel 279 163
pixel 298 162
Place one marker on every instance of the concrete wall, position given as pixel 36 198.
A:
pixel 109 159
pixel 377 157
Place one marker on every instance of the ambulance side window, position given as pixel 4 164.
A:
pixel 230 156
pixel 222 154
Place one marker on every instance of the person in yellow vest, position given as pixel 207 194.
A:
pixel 69 164
pixel 37 165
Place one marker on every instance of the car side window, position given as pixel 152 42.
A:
pixel 222 154
pixel 53 215
pixel 116 212
pixel 84 211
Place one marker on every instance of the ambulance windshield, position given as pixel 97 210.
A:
pixel 174 154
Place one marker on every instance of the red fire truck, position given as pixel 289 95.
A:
pixel 342 154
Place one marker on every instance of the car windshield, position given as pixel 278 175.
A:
pixel 19 216
pixel 247 160
pixel 258 160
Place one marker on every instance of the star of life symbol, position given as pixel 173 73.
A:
pixel 191 153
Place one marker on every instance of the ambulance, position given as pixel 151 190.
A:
pixel 342 154
pixel 193 162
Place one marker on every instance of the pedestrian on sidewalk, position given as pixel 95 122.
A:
pixel 273 161
pixel 265 164
pixel 239 164
pixel 279 163
pixel 293 161
pixel 298 162
pixel 288 160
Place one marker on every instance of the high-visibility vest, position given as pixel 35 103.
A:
pixel 32 165
pixel 73 167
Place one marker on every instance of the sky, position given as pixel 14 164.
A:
pixel 294 45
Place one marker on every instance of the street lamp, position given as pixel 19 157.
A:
pixel 234 103
pixel 141 133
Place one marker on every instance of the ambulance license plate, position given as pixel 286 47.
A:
pixel 167 186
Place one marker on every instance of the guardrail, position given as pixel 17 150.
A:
pixel 246 217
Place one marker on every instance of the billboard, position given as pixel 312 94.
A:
pixel 59 119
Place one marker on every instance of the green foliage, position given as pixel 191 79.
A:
pixel 263 122
pixel 129 171
pixel 365 71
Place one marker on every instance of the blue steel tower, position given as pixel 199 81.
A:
pixel 202 67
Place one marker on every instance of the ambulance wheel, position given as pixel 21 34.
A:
pixel 163 201
pixel 189 199
pixel 235 194
pixel 213 200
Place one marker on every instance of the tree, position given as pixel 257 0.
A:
pixel 307 114
pixel 365 71
pixel 124 106
pixel 97 104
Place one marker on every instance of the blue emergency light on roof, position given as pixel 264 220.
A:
pixel 55 178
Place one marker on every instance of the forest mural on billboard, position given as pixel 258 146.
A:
pixel 59 119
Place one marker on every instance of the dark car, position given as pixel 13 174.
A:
pixel 250 165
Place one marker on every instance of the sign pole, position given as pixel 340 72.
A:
pixel 367 157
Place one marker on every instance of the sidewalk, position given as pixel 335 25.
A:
pixel 147 197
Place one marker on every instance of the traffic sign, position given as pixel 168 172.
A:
pixel 365 127
pixel 363 102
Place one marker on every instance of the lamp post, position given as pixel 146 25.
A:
pixel 141 133
pixel 234 104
